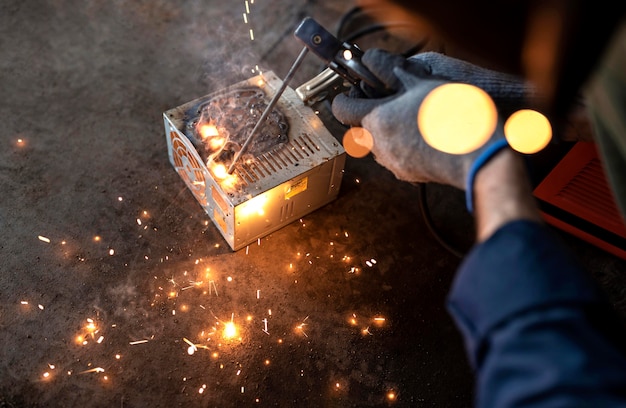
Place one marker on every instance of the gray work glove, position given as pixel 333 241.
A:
pixel 392 121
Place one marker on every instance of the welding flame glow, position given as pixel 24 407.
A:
pixel 255 205
pixel 207 130
pixel 230 330
pixel 219 171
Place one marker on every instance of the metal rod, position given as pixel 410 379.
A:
pixel 270 106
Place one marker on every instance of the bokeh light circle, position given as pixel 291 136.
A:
pixel 358 142
pixel 457 118
pixel 528 131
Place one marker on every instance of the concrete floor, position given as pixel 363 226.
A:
pixel 102 246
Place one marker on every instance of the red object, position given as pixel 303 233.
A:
pixel 576 198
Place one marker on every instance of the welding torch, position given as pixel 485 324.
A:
pixel 343 60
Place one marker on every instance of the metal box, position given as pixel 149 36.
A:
pixel 271 189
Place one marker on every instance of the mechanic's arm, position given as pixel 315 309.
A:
pixel 538 331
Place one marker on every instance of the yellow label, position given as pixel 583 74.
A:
pixel 296 188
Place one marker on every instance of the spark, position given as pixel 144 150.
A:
pixel 258 293
pixel 251 35
pixel 265 326
pixel 111 252
pixel 245 18
pixel 301 326
pixel 379 320
pixel 132 343
pixel 212 285
pixel 44 239
pixel 40 307
pixel 192 347
pixel 93 370
pixel 247 7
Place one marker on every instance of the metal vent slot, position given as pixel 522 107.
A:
pixel 301 148
pixel 313 147
pixel 277 159
pixel 585 191
pixel 286 211
pixel 244 175
pixel 295 151
pixel 258 172
pixel 266 161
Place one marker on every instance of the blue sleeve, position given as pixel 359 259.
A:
pixel 538 330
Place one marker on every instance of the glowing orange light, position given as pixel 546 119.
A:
pixel 457 118
pixel 216 143
pixel 208 130
pixel 230 330
pixel 219 171
pixel 528 131
pixel 358 142
pixel 255 205
pixel 379 320
pixel 391 396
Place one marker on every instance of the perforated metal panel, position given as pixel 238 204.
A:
pixel 576 197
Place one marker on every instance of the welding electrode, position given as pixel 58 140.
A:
pixel 270 106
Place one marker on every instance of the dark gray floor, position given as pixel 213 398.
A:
pixel 83 165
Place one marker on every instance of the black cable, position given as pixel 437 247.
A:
pixel 423 204
pixel 421 187
pixel 345 18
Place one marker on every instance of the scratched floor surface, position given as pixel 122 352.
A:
pixel 116 288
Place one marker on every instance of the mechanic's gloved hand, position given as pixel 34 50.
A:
pixel 509 92
pixel 398 144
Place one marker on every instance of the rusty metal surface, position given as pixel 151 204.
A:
pixel 116 287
